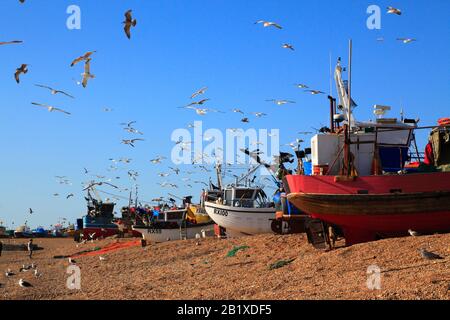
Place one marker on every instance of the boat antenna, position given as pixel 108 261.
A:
pixel 350 53
pixel 331 77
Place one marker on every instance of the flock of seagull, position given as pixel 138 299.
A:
pixel 198 103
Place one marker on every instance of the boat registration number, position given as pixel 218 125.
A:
pixel 221 212
pixel 159 231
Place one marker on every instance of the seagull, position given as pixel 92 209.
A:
pixel 393 10
pixel 87 73
pixel 238 111
pixel 157 160
pixel 245 120
pixel 429 255
pixel 280 102
pixel 259 114
pixel 200 111
pixel 50 108
pixel 201 102
pixel 70 195
pixel 24 284
pixel 288 46
pixel 413 233
pixel 129 22
pixel 31 211
pixel 22 69
pixel 269 24
pixel 199 92
pixel 9 273
pixel 315 92
pixel 84 57
pixel 302 86
pixel 176 170
pixel 10 42
pixel 406 40
pixel 163 175
pixel 54 91
pixel 93 184
pixel 131 142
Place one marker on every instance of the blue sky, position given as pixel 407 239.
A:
pixel 177 48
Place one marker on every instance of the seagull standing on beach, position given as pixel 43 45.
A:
pixel 24 284
pixel 413 233
pixel 429 255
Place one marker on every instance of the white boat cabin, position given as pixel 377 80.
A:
pixel 245 197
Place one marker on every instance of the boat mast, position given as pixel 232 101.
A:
pixel 349 109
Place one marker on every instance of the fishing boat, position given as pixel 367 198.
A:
pixel 239 208
pixel 169 224
pixel 3 232
pixel 99 220
pixel 242 211
pixel 365 185
pixel 23 232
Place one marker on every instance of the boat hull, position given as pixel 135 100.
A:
pixel 163 235
pixel 247 221
pixel 374 207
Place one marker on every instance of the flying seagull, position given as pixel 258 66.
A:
pixel 406 40
pixel 10 42
pixel 129 22
pixel 87 73
pixel 131 142
pixel 288 46
pixel 84 57
pixel 50 108
pixel 315 92
pixel 201 102
pixel 302 86
pixel 157 160
pixel 22 69
pixel 269 24
pixel 280 102
pixel 199 92
pixel 393 10
pixel 54 91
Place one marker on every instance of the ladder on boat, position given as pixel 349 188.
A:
pixel 183 228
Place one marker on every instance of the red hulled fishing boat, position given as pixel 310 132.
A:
pixel 366 186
